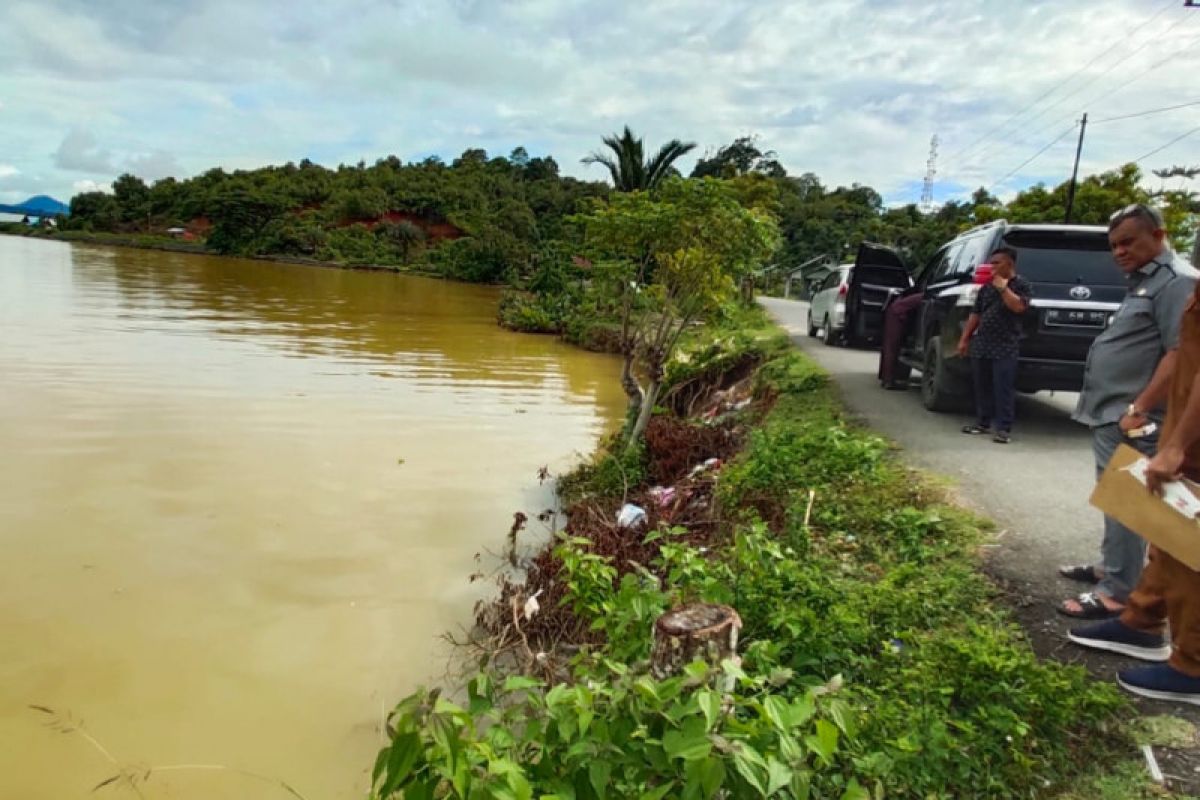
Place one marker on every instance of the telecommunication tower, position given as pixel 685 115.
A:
pixel 930 174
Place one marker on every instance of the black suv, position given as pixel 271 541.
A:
pixel 1076 288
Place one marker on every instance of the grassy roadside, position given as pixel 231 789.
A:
pixel 875 661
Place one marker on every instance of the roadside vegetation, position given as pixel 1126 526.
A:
pixel 875 658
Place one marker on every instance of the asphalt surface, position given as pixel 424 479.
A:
pixel 1036 488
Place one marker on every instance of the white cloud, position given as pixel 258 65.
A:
pixel 80 152
pixel 154 165
pixel 849 89
pixel 8 170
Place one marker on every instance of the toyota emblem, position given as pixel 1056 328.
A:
pixel 1080 292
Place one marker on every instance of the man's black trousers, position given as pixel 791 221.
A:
pixel 995 392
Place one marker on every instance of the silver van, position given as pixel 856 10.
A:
pixel 827 309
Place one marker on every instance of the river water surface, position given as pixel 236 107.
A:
pixel 239 502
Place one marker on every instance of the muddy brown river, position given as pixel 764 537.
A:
pixel 239 502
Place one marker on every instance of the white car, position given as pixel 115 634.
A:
pixel 827 309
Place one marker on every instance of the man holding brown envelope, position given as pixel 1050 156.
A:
pixel 1125 380
pixel 1168 588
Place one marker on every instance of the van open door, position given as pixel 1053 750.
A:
pixel 878 275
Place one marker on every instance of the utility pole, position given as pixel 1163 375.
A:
pixel 1075 171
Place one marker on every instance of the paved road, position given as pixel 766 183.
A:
pixel 1035 488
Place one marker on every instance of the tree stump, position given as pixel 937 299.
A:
pixel 695 632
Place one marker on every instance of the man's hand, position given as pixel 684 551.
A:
pixel 963 346
pixel 999 283
pixel 1130 422
pixel 1164 468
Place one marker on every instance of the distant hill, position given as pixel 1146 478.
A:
pixel 39 206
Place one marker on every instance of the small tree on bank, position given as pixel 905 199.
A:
pixel 667 260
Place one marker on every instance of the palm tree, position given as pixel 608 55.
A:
pixel 630 172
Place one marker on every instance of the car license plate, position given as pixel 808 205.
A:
pixel 1076 318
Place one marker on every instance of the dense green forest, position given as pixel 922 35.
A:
pixel 495 219
pixel 471 219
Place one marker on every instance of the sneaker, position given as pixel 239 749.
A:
pixel 1161 682
pixel 1117 637
pixel 1002 437
pixel 976 430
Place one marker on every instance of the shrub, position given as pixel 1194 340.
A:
pixel 354 244
pixel 536 313
pixel 593 333
pixel 404 237
pixel 783 461
pixel 610 474
pixel 356 205
pixel 615 732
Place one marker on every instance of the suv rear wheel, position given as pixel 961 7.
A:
pixel 940 391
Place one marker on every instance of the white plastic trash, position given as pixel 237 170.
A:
pixel 631 516
pixel 532 606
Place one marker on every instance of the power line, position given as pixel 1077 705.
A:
pixel 996 131
pixel 1147 113
pixel 1185 49
pixel 1186 17
pixel 1108 92
pixel 1032 158
pixel 1156 150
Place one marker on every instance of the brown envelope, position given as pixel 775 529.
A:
pixel 1122 496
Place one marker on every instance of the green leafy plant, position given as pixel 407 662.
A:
pixel 617 733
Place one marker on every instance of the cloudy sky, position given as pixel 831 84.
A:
pixel 850 89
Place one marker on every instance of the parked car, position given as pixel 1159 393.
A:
pixel 1076 289
pixel 827 308
pixel 848 305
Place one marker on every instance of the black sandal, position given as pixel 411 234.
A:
pixel 1083 573
pixel 1091 607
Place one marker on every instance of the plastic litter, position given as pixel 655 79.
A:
pixel 1156 774
pixel 709 464
pixel 631 516
pixel 532 606
pixel 663 495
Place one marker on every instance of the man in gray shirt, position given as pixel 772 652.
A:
pixel 1124 384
